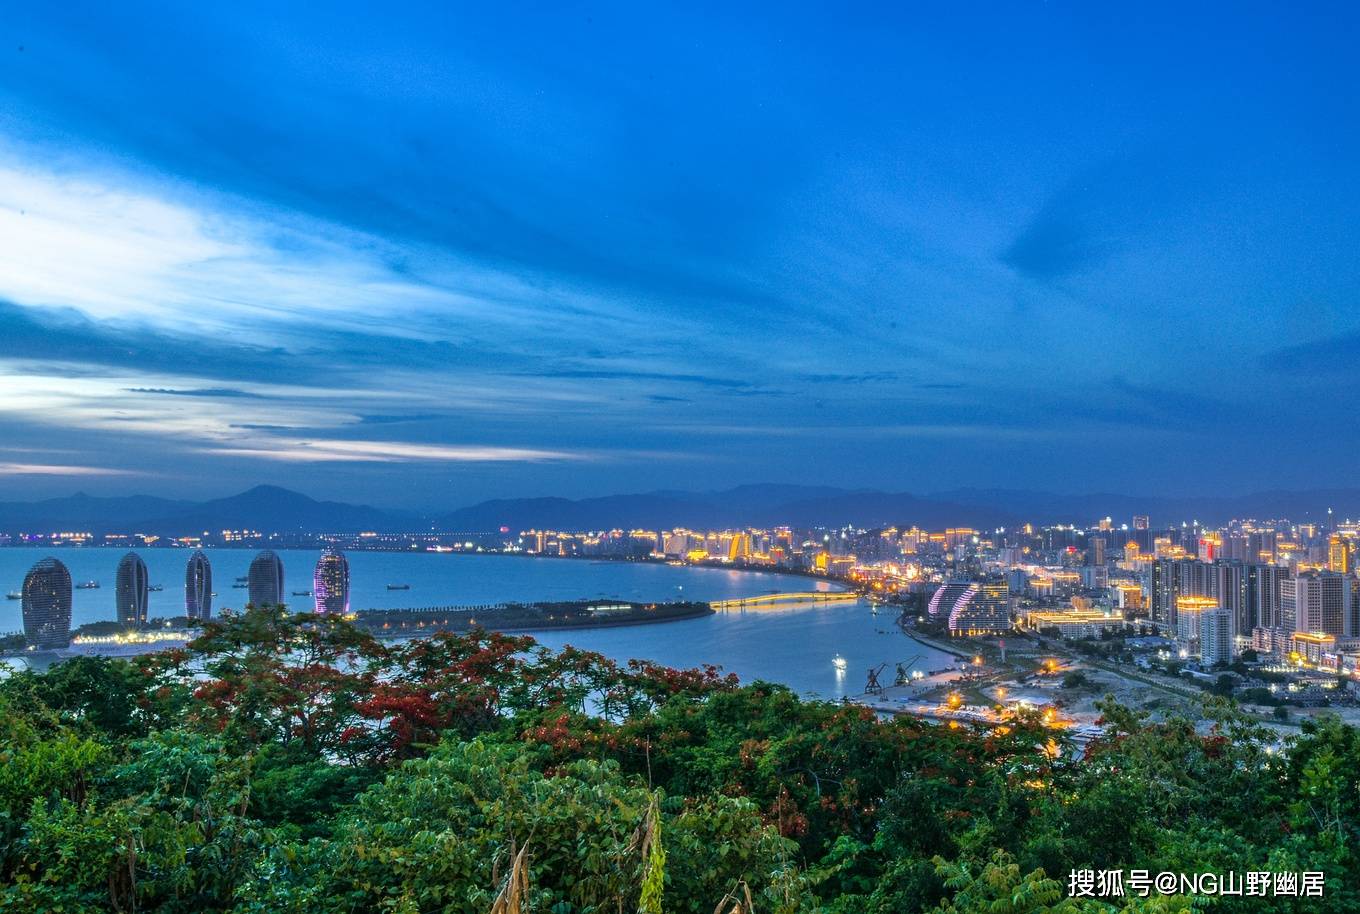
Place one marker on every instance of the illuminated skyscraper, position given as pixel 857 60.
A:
pixel 265 580
pixel 944 599
pixel 131 591
pixel 47 605
pixel 198 587
pixel 982 609
pixel 1338 554
pixel 1318 602
pixel 330 584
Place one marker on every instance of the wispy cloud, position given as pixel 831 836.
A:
pixel 55 469
pixel 299 450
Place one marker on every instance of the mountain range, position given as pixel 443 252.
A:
pixel 276 510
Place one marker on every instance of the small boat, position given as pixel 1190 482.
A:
pixel 88 585
pixel 302 593
pixel 839 662
pixel 398 586
pixel 156 588
pixel 14 595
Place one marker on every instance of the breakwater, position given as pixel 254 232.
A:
pixel 523 617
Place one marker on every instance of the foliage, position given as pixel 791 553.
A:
pixel 291 763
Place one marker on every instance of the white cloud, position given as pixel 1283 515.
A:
pixel 329 450
pixel 51 469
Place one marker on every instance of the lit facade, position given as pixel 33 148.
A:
pixel 47 605
pixel 198 587
pixel 330 583
pixel 132 591
pixel 265 579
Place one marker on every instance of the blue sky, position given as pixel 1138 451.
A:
pixel 423 254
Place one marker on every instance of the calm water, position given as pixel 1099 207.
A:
pixel 793 645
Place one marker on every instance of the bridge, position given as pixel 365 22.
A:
pixel 766 600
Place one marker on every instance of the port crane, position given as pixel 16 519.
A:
pixel 904 669
pixel 872 687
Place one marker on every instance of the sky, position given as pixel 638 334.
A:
pixel 420 255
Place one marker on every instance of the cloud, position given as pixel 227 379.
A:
pixel 1332 355
pixel 297 450
pixel 1054 245
pixel 604 374
pixel 215 392
pixel 48 469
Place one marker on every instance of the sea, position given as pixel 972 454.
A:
pixel 795 645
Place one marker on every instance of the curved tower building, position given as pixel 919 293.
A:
pixel 198 587
pixel 330 584
pixel 132 591
pixel 47 605
pixel 266 580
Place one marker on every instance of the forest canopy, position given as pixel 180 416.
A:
pixel 292 763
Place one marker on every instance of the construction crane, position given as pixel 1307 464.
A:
pixel 904 670
pixel 872 687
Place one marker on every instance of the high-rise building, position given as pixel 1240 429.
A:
pixel 1338 554
pixel 132 591
pixel 47 605
pixel 1097 550
pixel 1140 522
pixel 983 608
pixel 1189 610
pixel 330 583
pixel 1319 602
pixel 198 587
pixel 944 599
pixel 265 580
pixel 1215 637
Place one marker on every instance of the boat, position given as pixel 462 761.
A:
pixel 302 593
pixel 88 585
pixel 156 588
pixel 839 662
pixel 239 586
pixel 14 595
pixel 398 586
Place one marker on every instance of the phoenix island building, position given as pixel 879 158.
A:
pixel 198 592
pixel 132 587
pixel 330 583
pixel 47 605
pixel 265 579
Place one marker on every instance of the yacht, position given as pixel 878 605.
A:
pixel 839 662
pixel 14 595
pixel 88 585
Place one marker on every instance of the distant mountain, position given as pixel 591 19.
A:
pixel 268 508
pixel 83 512
pixel 764 505
pixel 275 510
pixel 1164 511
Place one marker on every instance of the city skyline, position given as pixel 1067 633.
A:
pixel 476 255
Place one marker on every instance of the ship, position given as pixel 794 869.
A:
pixel 156 588
pixel 14 595
pixel 839 662
pixel 88 585
pixel 398 586
pixel 302 593
pixel 240 585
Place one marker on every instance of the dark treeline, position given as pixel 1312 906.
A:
pixel 292 763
